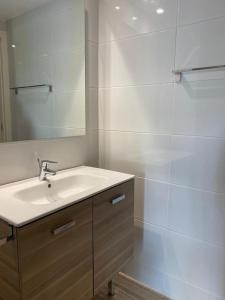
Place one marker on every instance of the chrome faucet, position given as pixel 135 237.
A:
pixel 44 169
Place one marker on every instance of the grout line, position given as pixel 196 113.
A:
pixel 201 21
pixel 137 85
pixel 180 186
pixel 136 36
pixel 185 81
pixel 204 137
pixel 167 229
pixel 140 35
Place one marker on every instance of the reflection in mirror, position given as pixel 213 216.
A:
pixel 42 69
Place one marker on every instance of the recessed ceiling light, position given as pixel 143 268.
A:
pixel 13 46
pixel 160 11
pixel 117 7
pixel 134 18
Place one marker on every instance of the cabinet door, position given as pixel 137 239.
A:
pixel 9 275
pixel 55 255
pixel 112 231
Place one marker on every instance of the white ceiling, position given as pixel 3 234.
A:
pixel 12 8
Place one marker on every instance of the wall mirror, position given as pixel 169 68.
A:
pixel 42 69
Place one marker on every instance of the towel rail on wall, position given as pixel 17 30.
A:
pixel 178 73
pixel 17 88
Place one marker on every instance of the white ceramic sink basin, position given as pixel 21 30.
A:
pixel 28 200
pixel 58 189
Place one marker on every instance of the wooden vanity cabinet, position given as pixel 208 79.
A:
pixel 55 255
pixel 51 258
pixel 112 231
pixel 69 254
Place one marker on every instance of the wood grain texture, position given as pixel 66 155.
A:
pixel 113 232
pixel 57 266
pixel 9 273
pixel 41 265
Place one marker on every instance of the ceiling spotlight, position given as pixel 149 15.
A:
pixel 160 11
pixel 117 7
pixel 134 18
pixel 13 46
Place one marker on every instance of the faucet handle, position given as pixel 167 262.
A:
pixel 45 161
pixel 49 161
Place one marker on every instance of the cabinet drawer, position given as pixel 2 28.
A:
pixel 56 254
pixel 113 231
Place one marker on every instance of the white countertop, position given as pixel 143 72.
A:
pixel 18 213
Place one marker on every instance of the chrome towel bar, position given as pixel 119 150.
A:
pixel 179 73
pixel 17 88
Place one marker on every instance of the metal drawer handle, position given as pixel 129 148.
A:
pixel 118 199
pixel 63 228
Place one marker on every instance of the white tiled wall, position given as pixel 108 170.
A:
pixel 171 136
pixel 17 160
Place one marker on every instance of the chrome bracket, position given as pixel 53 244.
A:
pixel 178 73
pixel 178 76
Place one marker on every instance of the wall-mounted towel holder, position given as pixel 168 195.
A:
pixel 179 73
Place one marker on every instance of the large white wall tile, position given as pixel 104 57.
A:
pixel 201 45
pixel 134 17
pixel 178 289
pixel 151 264
pixel 151 201
pixel 186 166
pixel 199 163
pixel 150 250
pixel 189 259
pixel 144 155
pixel 199 108
pixel 198 10
pixel 217 274
pixel 142 60
pixel 197 214
pixel 179 195
pixel 138 109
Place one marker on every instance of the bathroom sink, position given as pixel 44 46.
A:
pixel 28 200
pixel 58 188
